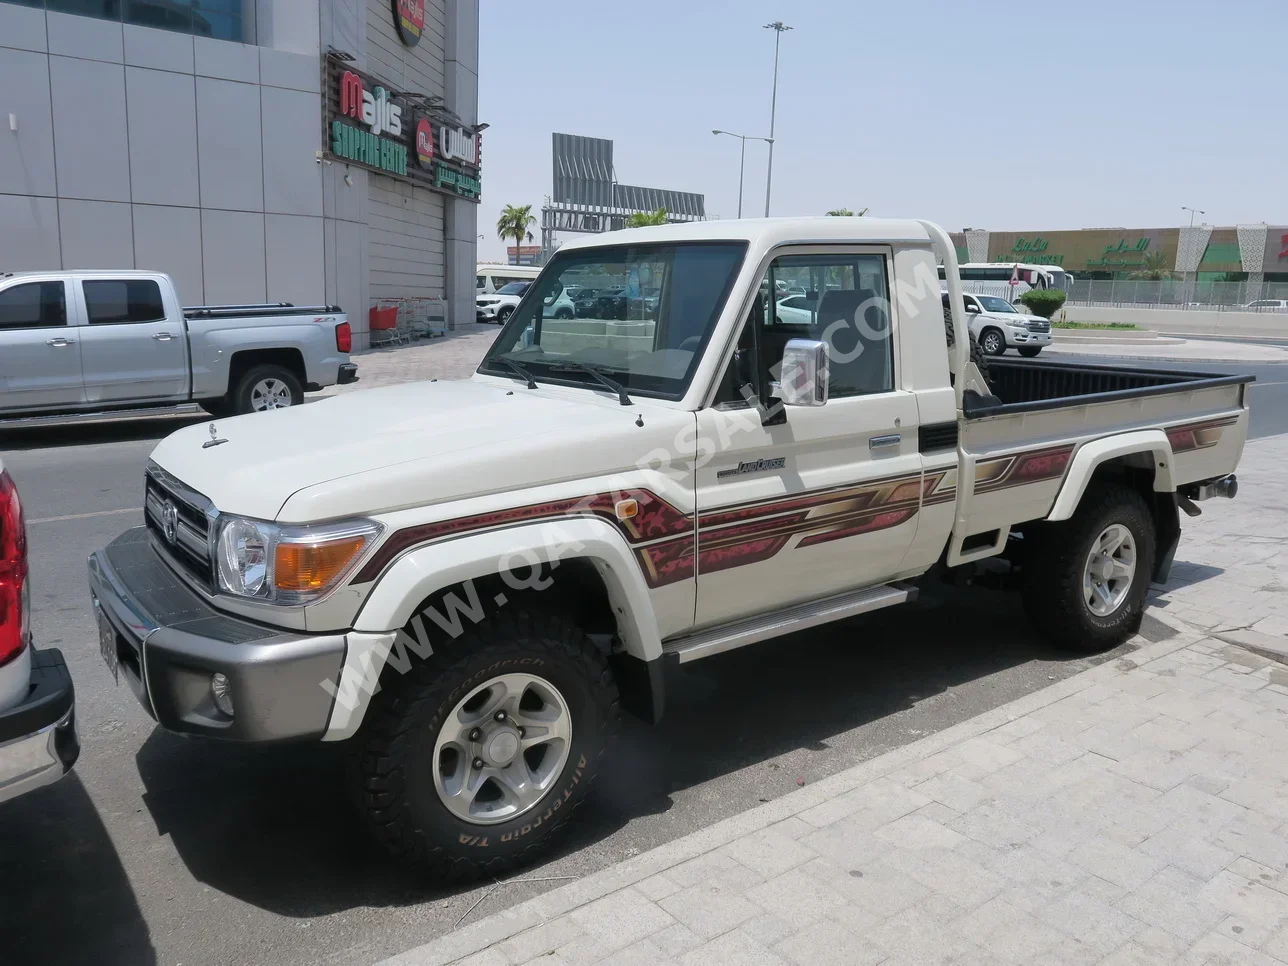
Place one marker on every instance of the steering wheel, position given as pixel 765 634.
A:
pixel 691 343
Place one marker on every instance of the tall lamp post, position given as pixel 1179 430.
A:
pixel 1192 212
pixel 777 27
pixel 742 157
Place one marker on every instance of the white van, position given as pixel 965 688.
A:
pixel 489 278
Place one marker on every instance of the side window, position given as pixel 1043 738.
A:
pixel 480 281
pixel 119 301
pixel 34 305
pixel 846 306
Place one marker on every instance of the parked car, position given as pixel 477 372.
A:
pixel 490 279
pixel 796 310
pixel 38 741
pixel 501 305
pixel 470 596
pixel 75 342
pixel 562 306
pixel 1270 305
pixel 998 325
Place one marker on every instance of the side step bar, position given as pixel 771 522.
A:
pixel 99 416
pixel 799 617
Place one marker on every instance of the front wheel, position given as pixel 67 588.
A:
pixel 503 314
pixel 267 387
pixel 993 342
pixel 1029 351
pixel 474 758
pixel 563 313
pixel 1085 578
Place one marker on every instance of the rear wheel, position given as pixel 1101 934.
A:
pixel 1085 578
pixel 976 354
pixel 473 759
pixel 992 341
pixel 1029 351
pixel 267 387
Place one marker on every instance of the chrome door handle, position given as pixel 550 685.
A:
pixel 163 337
pixel 876 442
pixel 60 341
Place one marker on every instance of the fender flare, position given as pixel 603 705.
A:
pixel 418 574
pixel 1091 455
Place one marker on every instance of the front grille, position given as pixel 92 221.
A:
pixel 190 546
pixel 1039 326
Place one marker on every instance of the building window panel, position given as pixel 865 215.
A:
pixel 221 19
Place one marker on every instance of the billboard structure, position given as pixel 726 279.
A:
pixel 588 198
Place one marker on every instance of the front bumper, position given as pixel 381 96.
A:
pixel 348 373
pixel 169 641
pixel 485 312
pixel 1026 337
pixel 38 741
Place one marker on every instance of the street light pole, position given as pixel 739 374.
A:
pixel 777 27
pixel 742 157
pixel 1192 212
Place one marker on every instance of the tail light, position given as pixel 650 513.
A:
pixel 343 337
pixel 15 601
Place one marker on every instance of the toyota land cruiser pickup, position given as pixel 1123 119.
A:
pixel 469 581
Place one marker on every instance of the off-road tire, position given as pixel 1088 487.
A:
pixel 241 396
pixel 977 355
pixel 1055 561
pixel 1029 351
pixel 393 764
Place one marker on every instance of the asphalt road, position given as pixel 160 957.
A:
pixel 159 849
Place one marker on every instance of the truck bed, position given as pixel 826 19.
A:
pixel 1021 386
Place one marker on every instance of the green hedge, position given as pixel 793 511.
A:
pixel 1045 302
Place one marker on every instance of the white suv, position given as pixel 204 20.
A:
pixel 997 325
pixel 499 306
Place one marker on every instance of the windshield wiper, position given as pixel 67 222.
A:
pixel 518 370
pixel 610 384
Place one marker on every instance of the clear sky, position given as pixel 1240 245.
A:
pixel 984 114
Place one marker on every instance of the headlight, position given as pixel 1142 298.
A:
pixel 288 564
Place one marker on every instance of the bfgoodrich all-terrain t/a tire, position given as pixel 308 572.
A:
pixel 1086 577
pixel 471 718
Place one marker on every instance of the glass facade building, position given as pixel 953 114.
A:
pixel 219 19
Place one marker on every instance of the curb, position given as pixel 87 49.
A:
pixel 497 928
pixel 1268 646
pixel 1075 348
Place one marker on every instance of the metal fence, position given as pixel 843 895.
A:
pixel 1177 293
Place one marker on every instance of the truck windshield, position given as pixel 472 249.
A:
pixel 644 318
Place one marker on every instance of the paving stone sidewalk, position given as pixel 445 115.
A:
pixel 1135 813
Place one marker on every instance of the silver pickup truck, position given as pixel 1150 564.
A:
pixel 75 342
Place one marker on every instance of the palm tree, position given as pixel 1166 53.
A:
pixel 642 219
pixel 514 223
pixel 1153 268
pixel 847 213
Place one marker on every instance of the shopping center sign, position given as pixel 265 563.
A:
pixel 370 124
pixel 409 18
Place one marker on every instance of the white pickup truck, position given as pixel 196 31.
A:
pixel 468 581
pixel 80 342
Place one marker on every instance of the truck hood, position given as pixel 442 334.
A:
pixel 411 445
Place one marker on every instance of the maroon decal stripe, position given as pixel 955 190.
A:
pixel 1021 469
pixel 655 518
pixel 1202 435
pixel 880 521
pixel 800 501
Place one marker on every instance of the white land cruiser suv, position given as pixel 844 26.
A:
pixel 998 325
pixel 469 582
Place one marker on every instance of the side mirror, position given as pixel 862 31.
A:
pixel 529 336
pixel 804 375
pixel 972 308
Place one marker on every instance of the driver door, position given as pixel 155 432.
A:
pixel 820 500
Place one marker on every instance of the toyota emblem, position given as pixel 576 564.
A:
pixel 169 520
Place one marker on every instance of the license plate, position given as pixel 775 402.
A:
pixel 107 646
